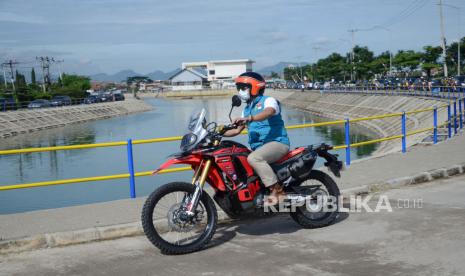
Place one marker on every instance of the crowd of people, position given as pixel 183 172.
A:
pixel 450 84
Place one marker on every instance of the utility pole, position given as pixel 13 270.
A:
pixel 10 64
pixel 459 35
pixel 352 72
pixel 315 49
pixel 4 76
pixel 60 69
pixel 390 44
pixel 443 39
pixel 48 70
pixel 45 64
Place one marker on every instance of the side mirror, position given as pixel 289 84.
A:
pixel 236 101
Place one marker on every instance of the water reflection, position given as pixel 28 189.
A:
pixel 168 118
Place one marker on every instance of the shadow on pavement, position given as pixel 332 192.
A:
pixel 278 224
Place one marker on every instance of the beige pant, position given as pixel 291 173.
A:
pixel 263 156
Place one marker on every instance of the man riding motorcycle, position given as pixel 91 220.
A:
pixel 267 135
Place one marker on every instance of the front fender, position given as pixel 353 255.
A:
pixel 194 161
pixel 214 177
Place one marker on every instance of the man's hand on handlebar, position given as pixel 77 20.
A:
pixel 242 121
pixel 235 128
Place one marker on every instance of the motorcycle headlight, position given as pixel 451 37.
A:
pixel 187 141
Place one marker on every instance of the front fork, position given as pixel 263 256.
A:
pixel 198 180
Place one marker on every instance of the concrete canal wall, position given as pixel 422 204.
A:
pixel 329 105
pixel 20 122
pixel 340 106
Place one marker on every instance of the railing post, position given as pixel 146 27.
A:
pixel 449 126
pixel 435 123
pixel 455 117
pixel 404 132
pixel 460 114
pixel 463 101
pixel 347 136
pixel 132 181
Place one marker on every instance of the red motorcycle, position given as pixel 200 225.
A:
pixel 180 217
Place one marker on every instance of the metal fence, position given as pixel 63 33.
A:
pixel 455 119
pixel 443 92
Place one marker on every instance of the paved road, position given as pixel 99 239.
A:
pixel 408 241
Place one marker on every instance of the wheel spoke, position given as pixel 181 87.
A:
pixel 171 221
pixel 178 236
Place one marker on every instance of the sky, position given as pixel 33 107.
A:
pixel 106 36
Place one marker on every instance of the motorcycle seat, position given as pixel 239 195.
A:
pixel 289 155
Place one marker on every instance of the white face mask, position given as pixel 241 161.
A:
pixel 244 95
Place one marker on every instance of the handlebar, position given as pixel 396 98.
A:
pixel 229 127
pixel 223 128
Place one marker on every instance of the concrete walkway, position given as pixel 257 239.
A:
pixel 418 159
pixel 426 239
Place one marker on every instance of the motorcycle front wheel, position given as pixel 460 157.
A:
pixel 170 228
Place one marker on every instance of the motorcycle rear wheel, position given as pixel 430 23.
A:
pixel 174 227
pixel 308 220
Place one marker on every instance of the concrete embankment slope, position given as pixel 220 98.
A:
pixel 19 122
pixel 341 106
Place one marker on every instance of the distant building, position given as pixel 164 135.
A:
pixel 189 79
pixel 221 73
pixel 155 86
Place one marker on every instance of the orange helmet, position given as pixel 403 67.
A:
pixel 254 81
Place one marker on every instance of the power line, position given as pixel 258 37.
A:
pixel 402 13
pixel 45 63
pixel 413 7
pixel 11 65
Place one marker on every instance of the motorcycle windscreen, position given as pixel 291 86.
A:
pixel 196 131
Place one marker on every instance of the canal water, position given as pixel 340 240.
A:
pixel 168 118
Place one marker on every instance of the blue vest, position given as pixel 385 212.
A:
pixel 271 129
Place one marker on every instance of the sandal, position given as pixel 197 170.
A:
pixel 277 194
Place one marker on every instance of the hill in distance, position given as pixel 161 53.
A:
pixel 161 75
pixel 279 67
pixel 121 76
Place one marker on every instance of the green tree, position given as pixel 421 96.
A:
pixel 331 67
pixel 74 86
pixel 362 58
pixel 407 61
pixel 429 58
pixel 292 73
pixel 380 64
pixel 33 76
pixel 274 75
pixel 20 79
pixel 452 56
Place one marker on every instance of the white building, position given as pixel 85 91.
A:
pixel 189 79
pixel 221 73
